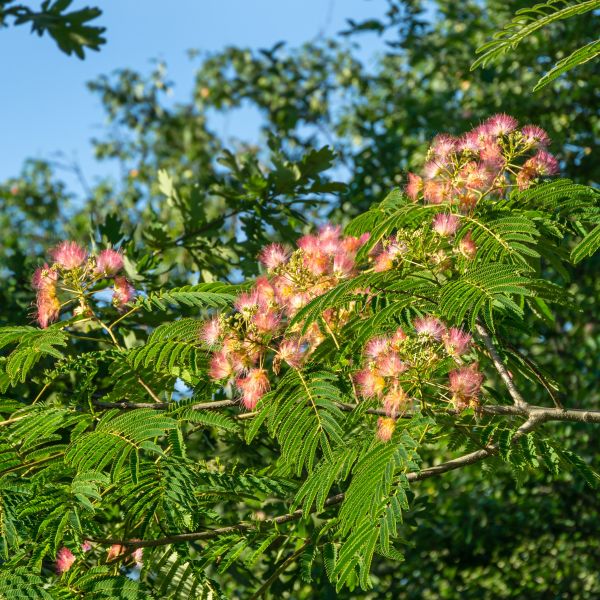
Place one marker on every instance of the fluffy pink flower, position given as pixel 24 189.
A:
pixel 445 224
pixel 395 401
pixel 390 365
pixel 457 341
pixel 343 264
pixel 109 262
pixel 384 261
pixel 430 327
pixel 370 383
pixel 469 142
pixel 48 306
pixel 44 277
pixel 398 338
pixel 501 124
pixel 114 551
pixel 377 346
pixel 465 383
pixel 64 560
pixel 434 192
pixel 266 321
pixel 431 170
pixel 123 292
pixel 86 546
pixel 68 255
pixel 291 352
pixel 274 255
pixel 247 301
pixel 352 244
pixel 211 332
pixel 253 387
pixel 543 163
pixel 535 136
pixel 443 145
pixel 414 186
pixel 385 428
pixel 467 246
pixel 220 366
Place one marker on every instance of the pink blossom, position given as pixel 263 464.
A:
pixel 432 169
pixel 68 255
pixel 291 352
pixel 491 153
pixel 64 560
pixel 465 383
pixel 109 262
pixel 220 366
pixel 543 163
pixel 370 383
pixel 501 124
pixel 430 327
pixel 48 306
pixel 445 224
pixel 414 186
pixel 457 341
pixel 377 346
pixel 123 292
pixel 443 145
pixel 385 428
pixel 44 277
pixel 86 546
pixel 114 551
pixel 343 264
pixel 395 401
pixel 390 365
pixel 535 136
pixel 470 142
pixel 266 321
pixel 274 255
pixel 384 261
pixel 398 338
pixel 253 387
pixel 467 246
pixel 211 332
pixel 434 192
pixel 352 244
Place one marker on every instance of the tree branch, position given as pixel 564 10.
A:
pixel 499 365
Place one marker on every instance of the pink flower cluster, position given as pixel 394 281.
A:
pixel 251 341
pixel 392 364
pixel 487 160
pixel 71 278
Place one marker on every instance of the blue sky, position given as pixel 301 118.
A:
pixel 45 107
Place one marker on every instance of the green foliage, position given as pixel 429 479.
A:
pixel 70 29
pixel 529 20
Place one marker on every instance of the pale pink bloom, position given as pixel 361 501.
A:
pixel 44 277
pixel 395 401
pixel 384 261
pixel 247 301
pixel 253 387
pixel 138 554
pixel 443 145
pixel 108 262
pixel 274 255
pixel 352 244
pixel 123 292
pixel 86 546
pixel 220 366
pixel 64 560
pixel 398 338
pixel 467 246
pixel 329 237
pixel 434 192
pixel 114 551
pixel 266 321
pixel 491 153
pixel 457 341
pixel 385 428
pixel 316 262
pixel 535 136
pixel 390 365
pixel 265 293
pixel 543 163
pixel 501 124
pixel 309 243
pixel 211 332
pixel 445 224
pixel 343 264
pixel 377 346
pixel 68 255
pixel 470 142
pixel 48 306
pixel 465 383
pixel 291 352
pixel 414 186
pixel 370 383
pixel 432 169
pixel 430 327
